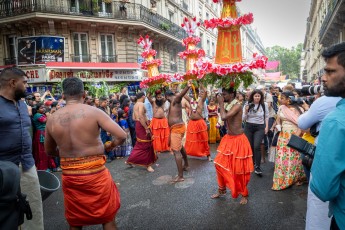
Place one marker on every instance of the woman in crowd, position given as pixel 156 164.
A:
pixel 256 114
pixel 288 168
pixel 42 160
pixel 126 147
pixel 213 132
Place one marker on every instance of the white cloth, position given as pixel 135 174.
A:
pixel 317 212
pixel 30 186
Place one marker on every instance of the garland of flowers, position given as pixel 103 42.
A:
pixel 160 79
pixel 228 22
pixel 217 1
pixel 190 40
pixel 146 64
pixel 198 52
pixel 148 53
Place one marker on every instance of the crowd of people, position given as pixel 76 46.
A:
pixel 77 134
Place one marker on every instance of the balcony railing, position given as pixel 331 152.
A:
pixel 10 61
pixel 81 58
pixel 121 11
pixel 107 58
pixel 331 7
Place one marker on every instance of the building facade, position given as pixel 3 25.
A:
pixel 96 34
pixel 325 27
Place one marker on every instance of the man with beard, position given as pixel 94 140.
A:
pixel 178 129
pixel 16 142
pixel 328 169
pixel 159 124
pixel 234 161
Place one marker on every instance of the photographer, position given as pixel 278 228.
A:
pixel 328 168
pixel 317 210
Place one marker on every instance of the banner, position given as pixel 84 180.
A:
pixel 272 65
pixel 40 49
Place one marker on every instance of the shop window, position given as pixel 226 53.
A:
pixel 107 48
pixel 81 53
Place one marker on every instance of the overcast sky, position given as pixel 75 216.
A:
pixel 278 22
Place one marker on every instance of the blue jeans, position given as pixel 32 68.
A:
pixel 255 133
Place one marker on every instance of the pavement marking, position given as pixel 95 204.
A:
pixel 145 203
pixel 162 180
pixel 185 184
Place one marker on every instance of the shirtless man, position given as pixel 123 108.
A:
pixel 82 158
pixel 234 161
pixel 159 124
pixel 142 153
pixel 178 129
pixel 197 133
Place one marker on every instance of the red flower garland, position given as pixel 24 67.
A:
pixel 144 65
pixel 147 53
pixel 228 22
pixel 190 40
pixel 146 83
pixel 199 52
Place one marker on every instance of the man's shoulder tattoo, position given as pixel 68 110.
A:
pixel 65 118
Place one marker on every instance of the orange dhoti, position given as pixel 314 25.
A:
pixel 177 134
pixel 90 194
pixel 234 163
pixel 160 132
pixel 197 139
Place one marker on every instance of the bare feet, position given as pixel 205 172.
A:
pixel 244 200
pixel 150 169
pixel 177 179
pixel 218 194
pixel 186 168
pixel 129 165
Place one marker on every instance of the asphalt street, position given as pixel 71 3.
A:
pixel 149 201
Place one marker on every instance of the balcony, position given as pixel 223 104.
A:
pixel 107 58
pixel 80 57
pixel 120 11
pixel 10 61
pixel 333 22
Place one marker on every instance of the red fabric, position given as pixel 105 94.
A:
pixel 160 133
pixel 197 139
pixel 142 153
pixel 42 160
pixel 90 199
pixel 177 134
pixel 234 164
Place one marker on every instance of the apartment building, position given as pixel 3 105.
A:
pixel 325 27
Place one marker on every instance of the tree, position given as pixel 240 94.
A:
pixel 289 59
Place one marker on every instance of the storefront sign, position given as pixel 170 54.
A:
pixel 35 75
pixel 55 75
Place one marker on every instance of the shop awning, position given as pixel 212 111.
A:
pixel 93 65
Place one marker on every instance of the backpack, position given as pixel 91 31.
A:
pixel 13 204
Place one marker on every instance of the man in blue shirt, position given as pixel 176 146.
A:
pixel 15 139
pixel 328 170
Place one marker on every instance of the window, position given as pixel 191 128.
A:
pixel 173 64
pixel 75 6
pixel 208 47
pixel 81 53
pixel 171 16
pixel 107 48
pixel 11 50
pixel 104 8
pixel 212 49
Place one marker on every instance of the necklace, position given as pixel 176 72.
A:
pixel 229 106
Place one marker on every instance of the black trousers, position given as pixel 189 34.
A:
pixel 255 133
pixel 268 139
pixel 334 225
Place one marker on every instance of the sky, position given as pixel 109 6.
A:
pixel 278 22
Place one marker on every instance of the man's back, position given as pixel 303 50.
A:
pixel 138 110
pixel 75 129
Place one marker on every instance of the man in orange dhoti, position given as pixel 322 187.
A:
pixel 90 194
pixel 197 135
pixel 234 161
pixel 178 130
pixel 159 124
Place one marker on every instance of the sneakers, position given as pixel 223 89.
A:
pixel 258 171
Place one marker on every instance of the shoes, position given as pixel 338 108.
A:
pixel 258 171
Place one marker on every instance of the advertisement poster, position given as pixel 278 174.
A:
pixel 40 49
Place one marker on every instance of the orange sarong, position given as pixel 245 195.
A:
pixel 197 139
pixel 177 134
pixel 234 163
pixel 90 194
pixel 160 133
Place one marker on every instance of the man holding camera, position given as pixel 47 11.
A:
pixel 317 210
pixel 328 169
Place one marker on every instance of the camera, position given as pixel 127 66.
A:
pixel 311 90
pixel 300 100
pixel 304 147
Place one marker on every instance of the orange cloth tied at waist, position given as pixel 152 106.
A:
pixel 234 164
pixel 90 194
pixel 197 139
pixel 177 133
pixel 160 132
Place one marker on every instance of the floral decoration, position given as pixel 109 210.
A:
pixel 145 64
pixel 148 53
pixel 228 22
pixel 190 53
